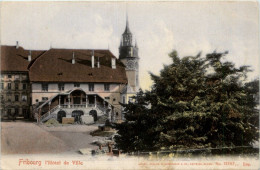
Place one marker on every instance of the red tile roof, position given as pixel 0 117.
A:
pixel 13 59
pixel 55 66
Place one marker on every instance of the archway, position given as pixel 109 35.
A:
pixel 77 114
pixel 60 115
pixel 94 114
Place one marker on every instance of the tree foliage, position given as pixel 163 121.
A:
pixel 195 102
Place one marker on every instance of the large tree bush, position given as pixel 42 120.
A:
pixel 195 103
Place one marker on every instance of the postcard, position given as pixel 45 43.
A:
pixel 130 85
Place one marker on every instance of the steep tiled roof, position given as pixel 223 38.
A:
pixel 55 66
pixel 13 59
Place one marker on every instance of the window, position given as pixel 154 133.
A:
pixel 24 98
pixel 107 98
pixel 24 86
pixel 9 97
pixel 2 97
pixel 76 85
pixel 9 76
pixel 16 86
pixel 24 77
pixel 44 98
pixel 107 87
pixel 44 87
pixel 9 111
pixel 24 112
pixel 16 111
pixel 2 85
pixel 9 86
pixel 61 86
pixel 16 77
pixel 91 87
pixel 16 98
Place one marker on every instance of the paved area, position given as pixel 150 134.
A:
pixel 30 138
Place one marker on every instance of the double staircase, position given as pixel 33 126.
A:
pixel 70 108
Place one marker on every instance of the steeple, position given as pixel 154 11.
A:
pixel 128 55
pixel 127 35
pixel 127 30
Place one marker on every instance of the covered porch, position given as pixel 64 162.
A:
pixel 76 99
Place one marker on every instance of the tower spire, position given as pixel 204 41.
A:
pixel 127 30
pixel 126 19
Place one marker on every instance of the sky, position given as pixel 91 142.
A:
pixel 158 28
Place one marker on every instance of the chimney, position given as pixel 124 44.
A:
pixel 73 59
pixel 113 63
pixel 92 59
pixel 17 44
pixel 30 56
pixel 98 65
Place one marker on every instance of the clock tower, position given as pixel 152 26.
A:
pixel 128 54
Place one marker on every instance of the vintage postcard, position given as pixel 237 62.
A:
pixel 129 85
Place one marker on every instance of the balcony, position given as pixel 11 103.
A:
pixel 76 105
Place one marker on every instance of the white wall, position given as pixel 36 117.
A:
pixel 113 93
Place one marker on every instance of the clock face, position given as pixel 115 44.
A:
pixel 131 64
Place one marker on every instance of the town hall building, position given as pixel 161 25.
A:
pixel 58 83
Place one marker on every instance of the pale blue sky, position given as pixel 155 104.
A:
pixel 158 27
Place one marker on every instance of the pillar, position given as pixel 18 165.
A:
pixel 69 100
pixel 59 101
pixel 86 101
pixel 109 113
pixel 95 101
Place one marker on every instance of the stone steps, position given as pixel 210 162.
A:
pixel 70 110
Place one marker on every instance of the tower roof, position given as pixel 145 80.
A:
pixel 127 30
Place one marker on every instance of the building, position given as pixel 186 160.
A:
pixel 70 82
pixel 128 55
pixel 15 84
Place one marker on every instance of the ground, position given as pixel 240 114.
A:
pixel 30 138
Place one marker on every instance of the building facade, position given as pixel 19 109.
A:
pixel 60 83
pixel 15 84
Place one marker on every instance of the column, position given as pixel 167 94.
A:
pixel 59 101
pixel 69 100
pixel 95 101
pixel 86 101
pixel 109 112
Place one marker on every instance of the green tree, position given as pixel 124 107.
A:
pixel 135 133
pixel 195 103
